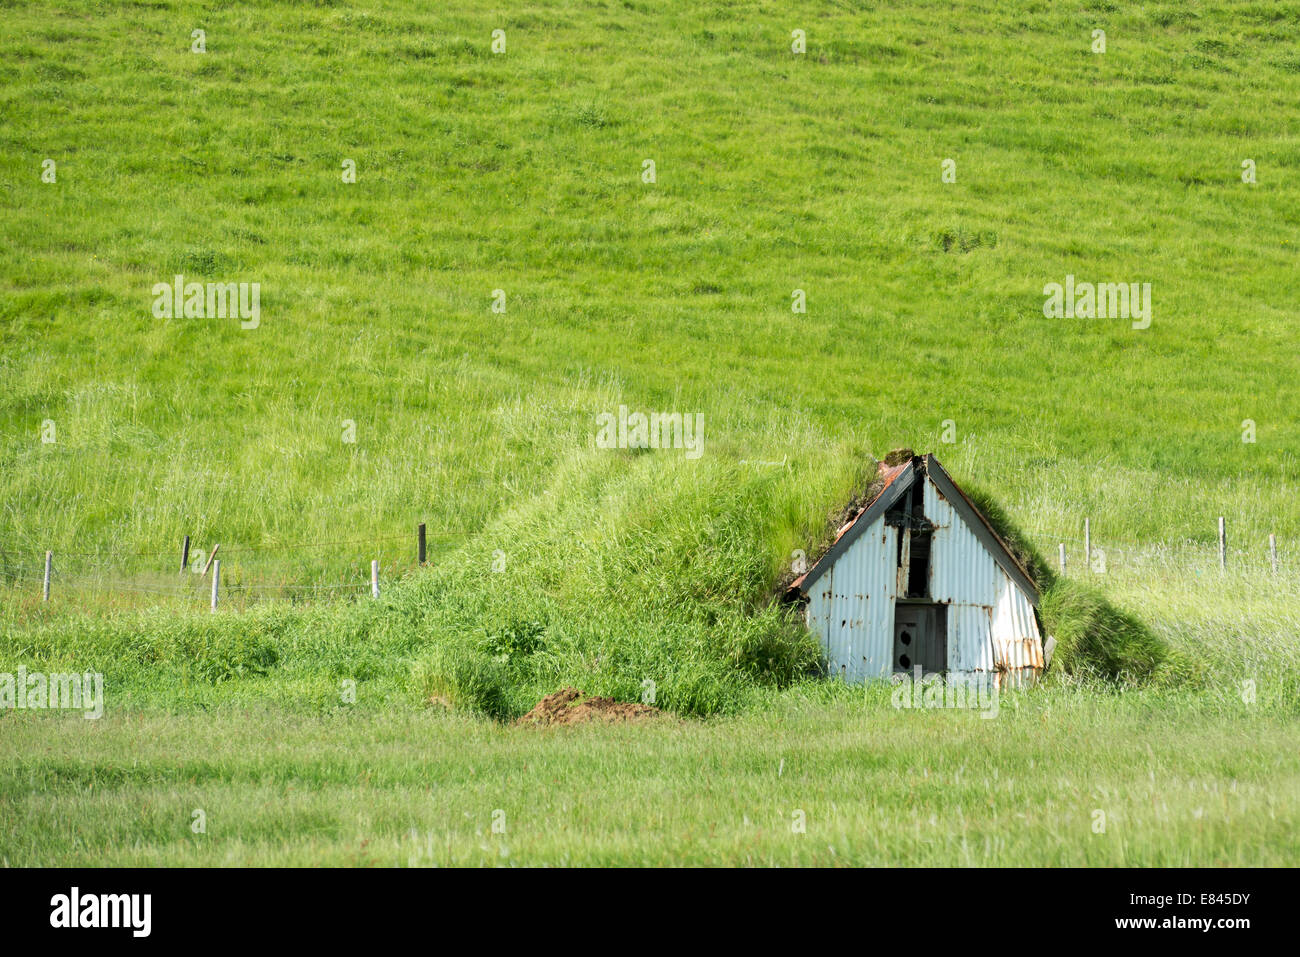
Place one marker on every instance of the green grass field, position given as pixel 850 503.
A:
pixel 381 388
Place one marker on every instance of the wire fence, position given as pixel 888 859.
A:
pixel 348 568
pixel 231 574
pixel 1100 555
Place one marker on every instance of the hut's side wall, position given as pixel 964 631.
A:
pixel 851 607
pixel 991 625
pixel 1017 643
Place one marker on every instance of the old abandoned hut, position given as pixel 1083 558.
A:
pixel 919 578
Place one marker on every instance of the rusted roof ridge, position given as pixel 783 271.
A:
pixel 898 479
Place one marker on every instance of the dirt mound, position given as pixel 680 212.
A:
pixel 571 706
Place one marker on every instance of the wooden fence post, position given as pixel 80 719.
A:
pixel 1223 545
pixel 1062 558
pixel 49 559
pixel 374 578
pixel 1272 552
pixel 422 552
pixel 211 557
pixel 216 582
pixel 185 554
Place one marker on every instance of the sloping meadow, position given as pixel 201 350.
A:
pixel 638 575
pixel 649 579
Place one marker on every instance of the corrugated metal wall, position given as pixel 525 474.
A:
pixel 992 631
pixel 969 630
pixel 992 627
pixel 991 623
pixel 852 606
pixel 961 570
pixel 1017 643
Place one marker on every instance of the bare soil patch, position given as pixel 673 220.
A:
pixel 571 706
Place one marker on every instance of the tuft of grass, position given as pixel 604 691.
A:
pixel 461 678
pixel 1094 638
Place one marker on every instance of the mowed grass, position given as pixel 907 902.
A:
pixel 522 172
pixel 1072 778
pixel 1072 773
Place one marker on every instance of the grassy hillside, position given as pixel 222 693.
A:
pixel 522 172
pixel 559 562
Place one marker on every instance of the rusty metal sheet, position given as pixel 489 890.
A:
pixel 897 480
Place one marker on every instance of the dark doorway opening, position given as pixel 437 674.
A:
pixel 920 637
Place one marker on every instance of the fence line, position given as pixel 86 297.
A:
pixel 169 555
pixel 100 572
pixel 1098 556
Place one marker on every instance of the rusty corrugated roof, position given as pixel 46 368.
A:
pixel 890 474
pixel 897 479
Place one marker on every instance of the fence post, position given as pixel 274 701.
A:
pixel 422 543
pixel 216 582
pixel 211 558
pixel 1062 558
pixel 374 578
pixel 1272 552
pixel 49 559
pixel 1223 545
pixel 1087 544
pixel 185 554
